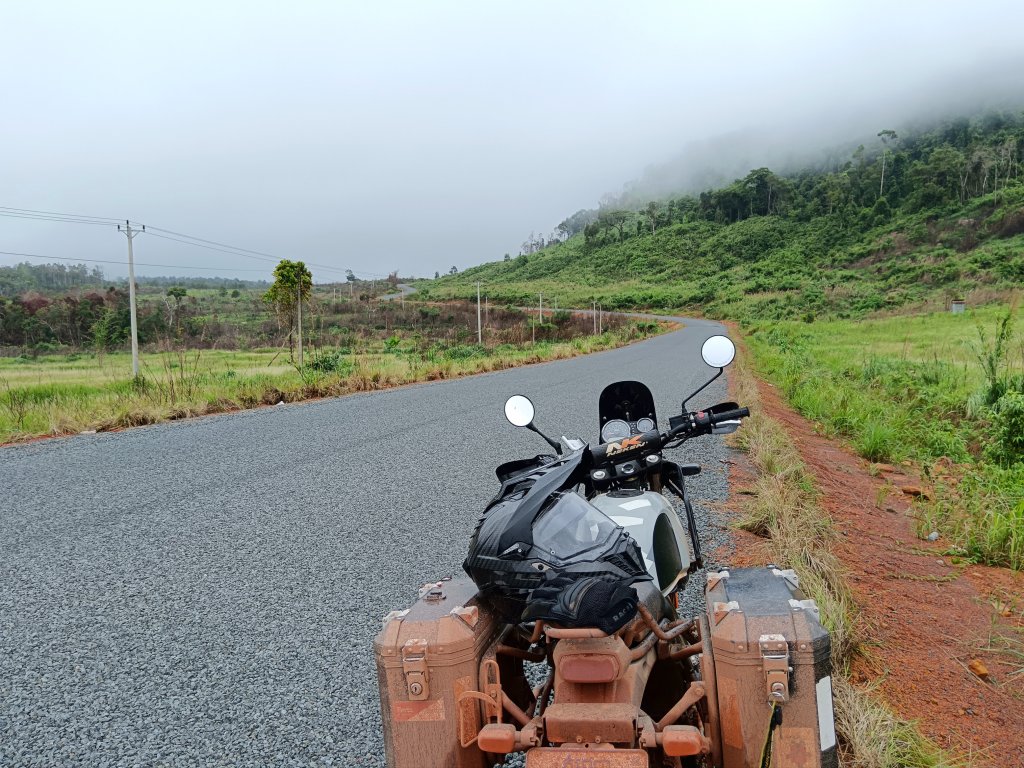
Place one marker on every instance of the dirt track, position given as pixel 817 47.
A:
pixel 923 618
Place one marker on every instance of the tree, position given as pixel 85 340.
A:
pixel 507 257
pixel 292 279
pixel 652 214
pixel 177 293
pixel 614 218
pixel 436 274
pixel 454 270
pixel 888 135
pixel 350 276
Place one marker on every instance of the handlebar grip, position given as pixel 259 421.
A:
pixel 736 413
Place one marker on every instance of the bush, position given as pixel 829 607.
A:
pixel 331 361
pixel 1007 447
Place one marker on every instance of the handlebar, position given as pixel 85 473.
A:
pixel 697 423
pixel 735 413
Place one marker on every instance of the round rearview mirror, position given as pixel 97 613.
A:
pixel 718 351
pixel 519 411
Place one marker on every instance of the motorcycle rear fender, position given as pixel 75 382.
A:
pixel 652 521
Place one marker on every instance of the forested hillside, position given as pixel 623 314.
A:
pixel 905 218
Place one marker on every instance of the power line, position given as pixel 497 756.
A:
pixel 121 263
pixel 214 242
pixel 32 217
pixel 57 213
pixel 199 242
pixel 233 252
pixel 207 247
pixel 244 251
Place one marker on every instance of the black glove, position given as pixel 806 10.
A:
pixel 586 601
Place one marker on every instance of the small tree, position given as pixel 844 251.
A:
pixel 292 282
pixel 177 293
pixel 888 135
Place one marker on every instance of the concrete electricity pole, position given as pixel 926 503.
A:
pixel 131 233
pixel 541 308
pixel 595 318
pixel 479 327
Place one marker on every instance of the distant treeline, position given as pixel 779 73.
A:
pixel 204 282
pixel 49 278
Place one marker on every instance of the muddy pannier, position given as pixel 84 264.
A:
pixel 427 656
pixel 772 664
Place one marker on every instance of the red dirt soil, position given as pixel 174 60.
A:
pixel 923 619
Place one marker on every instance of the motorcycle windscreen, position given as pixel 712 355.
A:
pixel 626 400
pixel 571 527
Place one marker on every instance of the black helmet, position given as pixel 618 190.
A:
pixel 536 531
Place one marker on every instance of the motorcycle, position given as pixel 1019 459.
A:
pixel 575 568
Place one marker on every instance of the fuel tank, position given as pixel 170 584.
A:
pixel 652 521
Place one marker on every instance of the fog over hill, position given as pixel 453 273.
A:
pixel 825 138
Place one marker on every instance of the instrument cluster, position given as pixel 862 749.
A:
pixel 619 429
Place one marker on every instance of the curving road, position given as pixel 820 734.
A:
pixel 206 592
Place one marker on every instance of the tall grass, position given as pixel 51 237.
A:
pixel 51 397
pixel 938 390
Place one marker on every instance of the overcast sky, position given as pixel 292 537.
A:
pixel 418 135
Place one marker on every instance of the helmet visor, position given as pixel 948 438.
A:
pixel 571 526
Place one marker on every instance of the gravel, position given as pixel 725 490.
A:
pixel 207 591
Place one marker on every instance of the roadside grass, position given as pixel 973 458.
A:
pixel 941 391
pixel 784 509
pixel 66 395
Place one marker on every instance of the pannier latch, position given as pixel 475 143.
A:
pixel 414 664
pixel 775 662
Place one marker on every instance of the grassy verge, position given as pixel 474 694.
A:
pixel 71 394
pixel 784 509
pixel 944 392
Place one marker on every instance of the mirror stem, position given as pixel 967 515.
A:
pixel 701 389
pixel 533 428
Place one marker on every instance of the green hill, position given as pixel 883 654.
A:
pixel 945 221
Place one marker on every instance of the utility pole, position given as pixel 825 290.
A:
pixel 479 327
pixel 595 318
pixel 299 307
pixel 130 234
pixel 541 308
pixel 600 319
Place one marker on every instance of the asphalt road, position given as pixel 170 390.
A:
pixel 206 592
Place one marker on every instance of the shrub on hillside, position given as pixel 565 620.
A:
pixel 1007 447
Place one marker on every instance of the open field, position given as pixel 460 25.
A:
pixel 941 391
pixel 54 395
